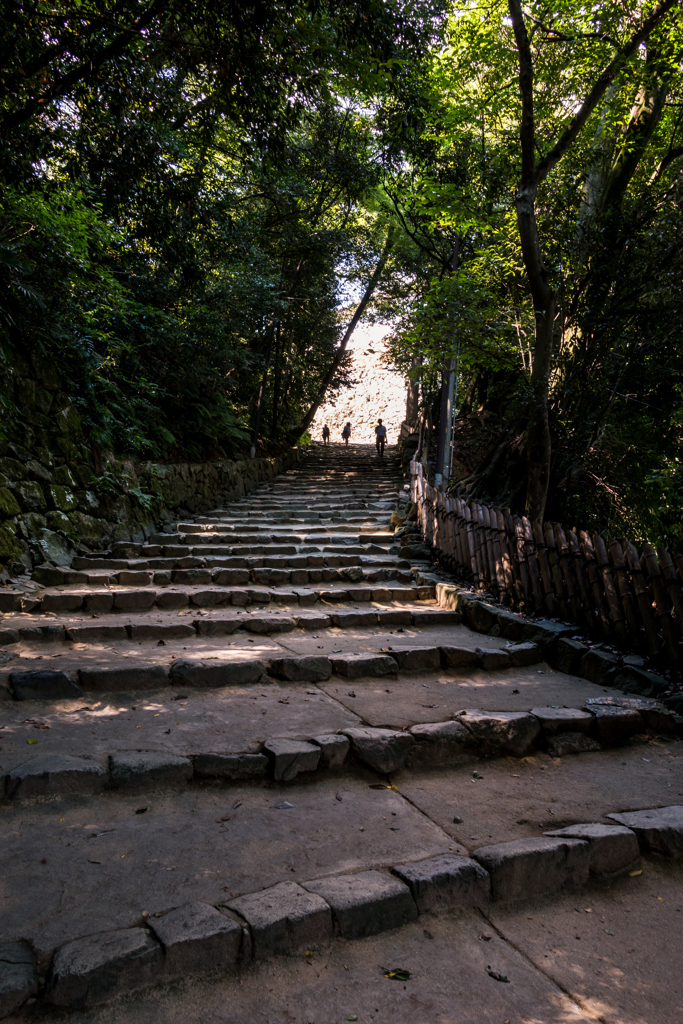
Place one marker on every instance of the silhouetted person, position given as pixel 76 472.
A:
pixel 326 434
pixel 380 437
pixel 346 433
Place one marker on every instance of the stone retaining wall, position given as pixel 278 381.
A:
pixel 60 495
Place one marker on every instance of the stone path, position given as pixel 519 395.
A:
pixel 195 720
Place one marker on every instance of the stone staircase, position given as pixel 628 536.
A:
pixel 266 708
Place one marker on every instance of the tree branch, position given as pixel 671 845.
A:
pixel 554 155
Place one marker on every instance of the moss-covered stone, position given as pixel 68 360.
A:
pixel 38 472
pixel 62 498
pixel 9 546
pixel 12 469
pixel 9 506
pixel 59 522
pixel 30 496
pixel 63 476
pixel 88 527
pixel 31 525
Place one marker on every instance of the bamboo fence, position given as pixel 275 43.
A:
pixel 613 593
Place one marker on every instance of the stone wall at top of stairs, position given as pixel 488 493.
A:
pixel 59 498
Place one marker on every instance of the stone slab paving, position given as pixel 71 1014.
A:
pixel 512 798
pixel 227 720
pixel 411 697
pixel 99 864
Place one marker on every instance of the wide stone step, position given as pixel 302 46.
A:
pixel 141 628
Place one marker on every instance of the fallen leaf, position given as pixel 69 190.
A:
pixel 515 691
pixel 398 974
pixel 486 936
pixel 237 803
pixel 634 874
pixel 497 976
pixel 140 810
pixel 352 1016
pixel 608 931
pixel 94 861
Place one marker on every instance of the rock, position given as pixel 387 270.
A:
pixel 193 576
pixel 394 617
pixel 216 673
pixel 526 868
pixel 447 882
pixel 491 658
pixel 230 577
pixel 172 599
pixel 366 903
pixel 571 743
pixel 435 617
pixel 10 601
pixel 43 684
pixel 656 715
pixel 55 548
pixel 268 624
pixel 513 731
pixel 197 939
pixel 306 668
pixel 613 848
pixel 334 750
pixel 522 655
pixel 99 967
pixel 284 919
pixel 103 602
pixel 230 766
pixel 142 770
pixel 41 634
pixel 417 659
pixel 127 677
pixel 458 657
pixel 354 620
pixel 129 578
pixel 511 626
pixel 9 636
pixel 289 757
pixel 47 575
pixel 568 655
pixel 612 725
pixel 659 830
pixel 438 744
pixel 217 627
pixel 598 666
pixel 18 980
pixel 384 750
pixel 61 602
pixel 632 679
pixel 312 621
pixel 134 600
pixel 93 634
pixel 354 666
pixel 480 617
pixel 547 634
pixel 55 775
pixel 161 630
pixel 555 720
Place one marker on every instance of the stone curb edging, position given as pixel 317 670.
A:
pixel 469 734
pixel 555 639
pixel 289 918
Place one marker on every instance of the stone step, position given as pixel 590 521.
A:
pixel 108 630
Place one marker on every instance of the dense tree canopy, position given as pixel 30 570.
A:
pixel 195 197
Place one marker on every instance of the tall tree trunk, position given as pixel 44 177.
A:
pixel 262 391
pixel 336 361
pixel 534 171
pixel 276 383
